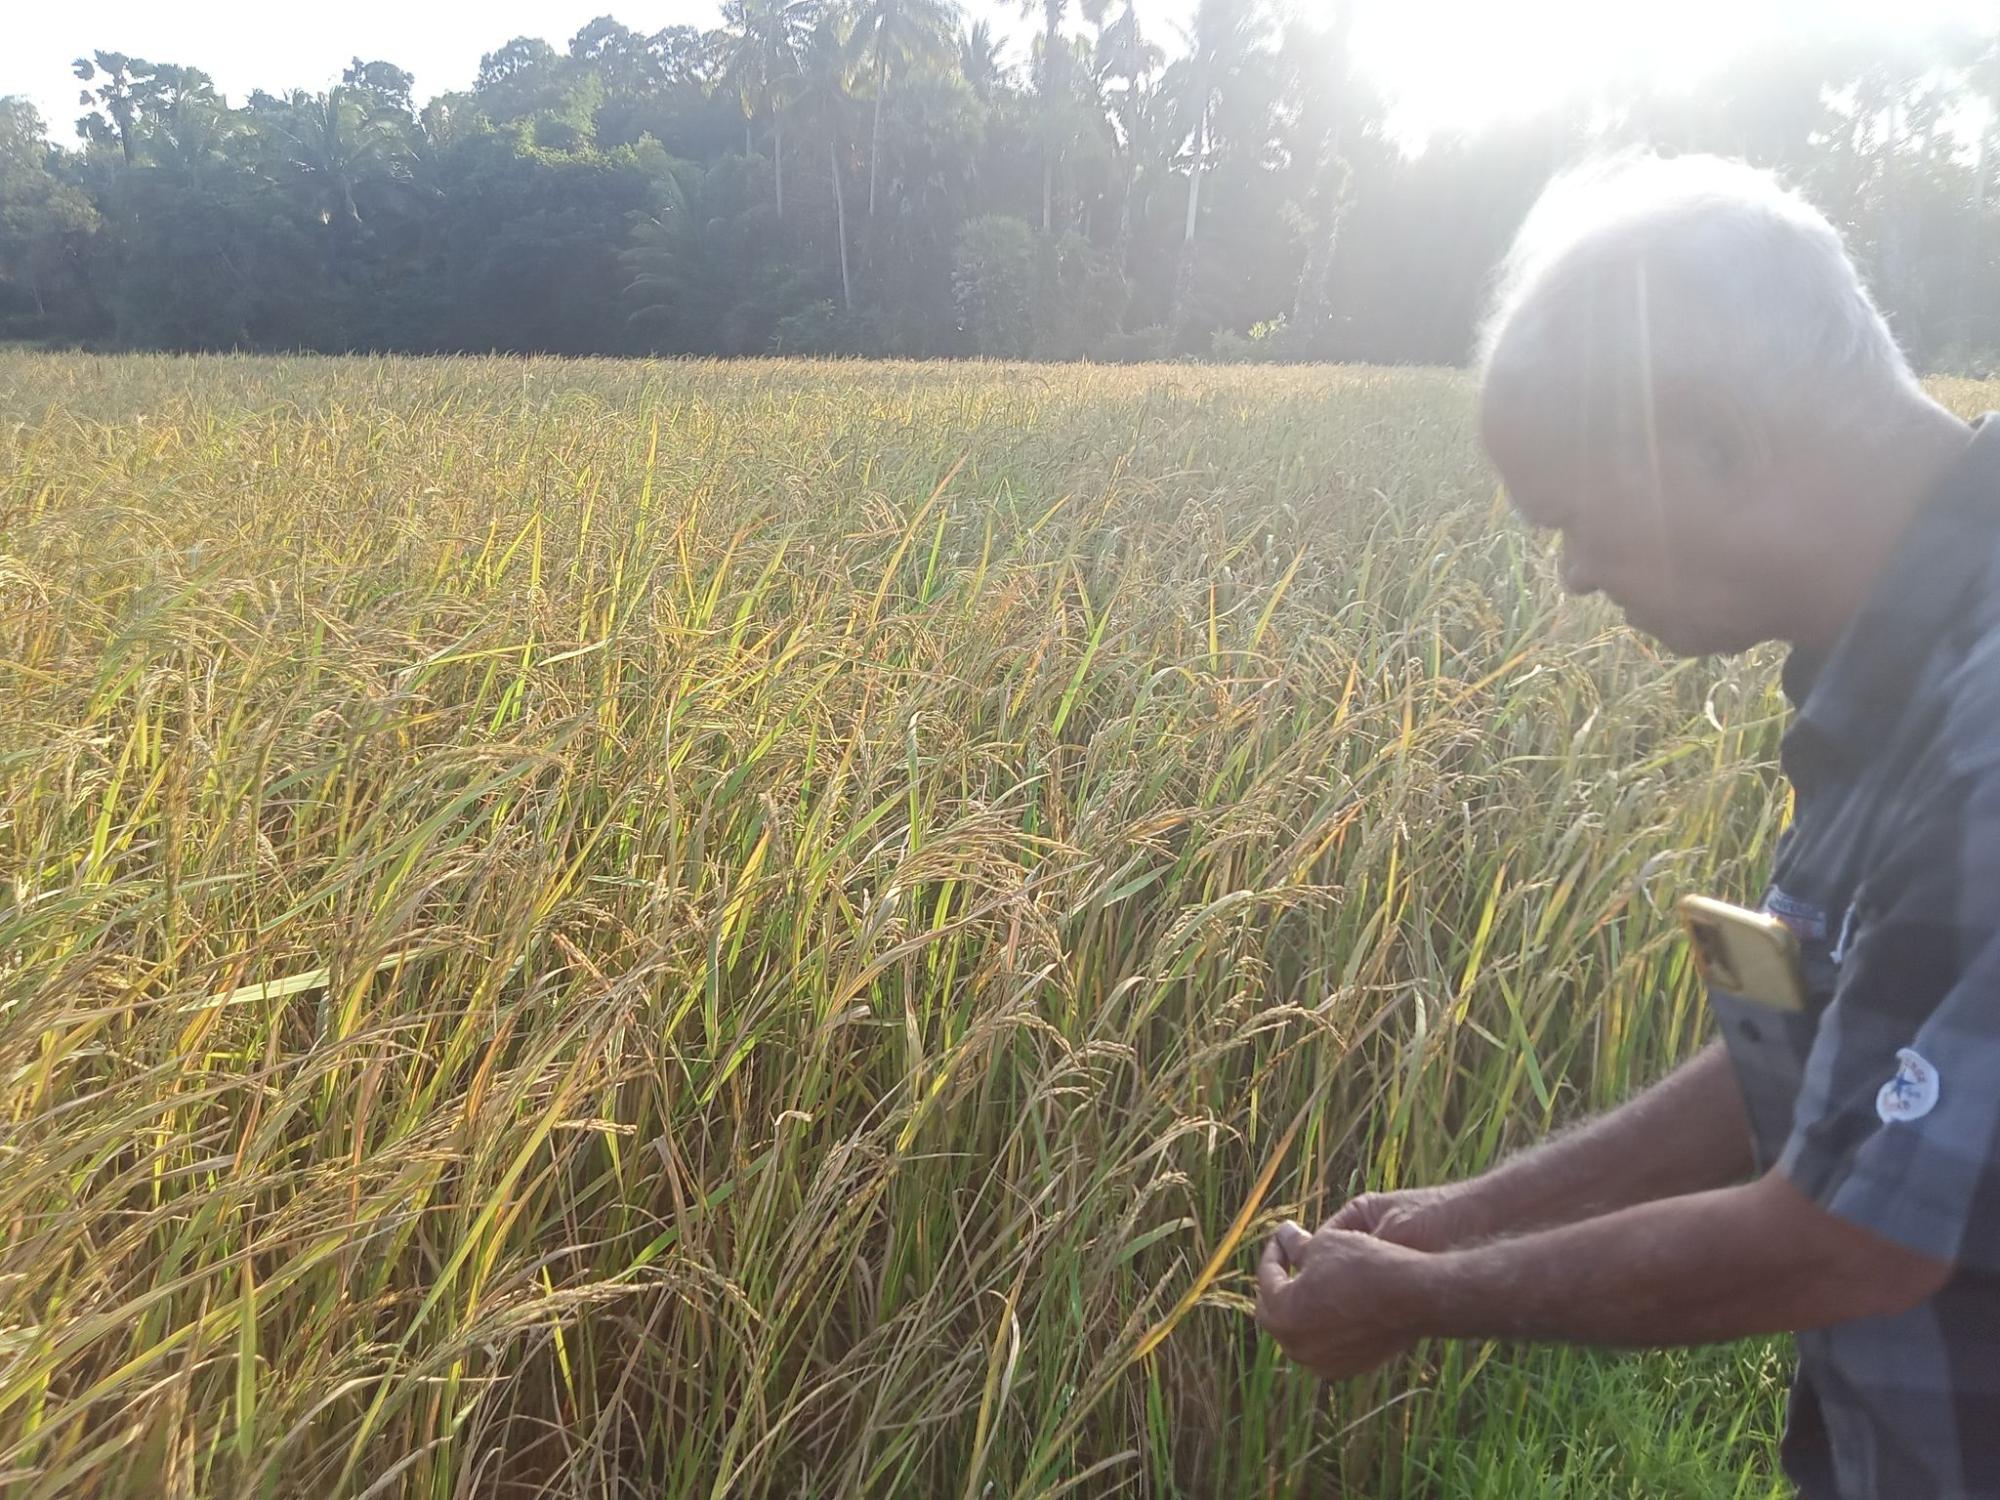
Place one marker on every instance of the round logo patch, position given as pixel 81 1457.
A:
pixel 1911 1094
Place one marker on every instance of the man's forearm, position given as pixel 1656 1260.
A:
pixel 1687 1134
pixel 1705 1268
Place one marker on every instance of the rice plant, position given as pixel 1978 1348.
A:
pixel 696 930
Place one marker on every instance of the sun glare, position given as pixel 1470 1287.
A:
pixel 1458 64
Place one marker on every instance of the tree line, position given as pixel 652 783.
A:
pixel 873 177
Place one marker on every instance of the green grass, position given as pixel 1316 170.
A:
pixel 588 929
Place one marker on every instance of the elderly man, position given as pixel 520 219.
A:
pixel 1687 381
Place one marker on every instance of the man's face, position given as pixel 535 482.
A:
pixel 1665 530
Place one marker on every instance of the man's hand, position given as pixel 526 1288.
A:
pixel 1427 1218
pixel 1687 1134
pixel 1702 1268
pixel 1334 1300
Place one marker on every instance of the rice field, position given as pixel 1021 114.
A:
pixel 577 928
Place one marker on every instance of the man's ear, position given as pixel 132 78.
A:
pixel 1711 438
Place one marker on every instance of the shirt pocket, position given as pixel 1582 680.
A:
pixel 1768 1048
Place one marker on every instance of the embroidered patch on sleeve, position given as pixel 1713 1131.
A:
pixel 1911 1094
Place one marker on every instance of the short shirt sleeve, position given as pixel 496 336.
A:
pixel 1897 1125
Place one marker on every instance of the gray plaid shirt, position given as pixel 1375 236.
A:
pixel 1882 1100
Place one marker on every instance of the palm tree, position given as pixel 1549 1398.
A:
pixel 899 31
pixel 667 258
pixel 1984 79
pixel 122 95
pixel 1327 107
pixel 1123 63
pixel 189 128
pixel 1225 36
pixel 980 61
pixel 817 95
pixel 333 142
pixel 1051 82
pixel 172 112
pixel 1123 51
pixel 761 41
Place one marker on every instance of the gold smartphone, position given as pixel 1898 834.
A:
pixel 1746 953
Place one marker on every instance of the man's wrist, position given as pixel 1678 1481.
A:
pixel 1473 1212
pixel 1413 1304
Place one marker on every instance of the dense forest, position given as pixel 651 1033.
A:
pixel 873 177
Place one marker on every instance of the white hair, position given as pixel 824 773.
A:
pixel 1692 266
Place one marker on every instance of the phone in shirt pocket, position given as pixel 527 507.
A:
pixel 1755 974
pixel 1748 954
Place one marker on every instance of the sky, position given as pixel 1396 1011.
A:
pixel 1445 64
